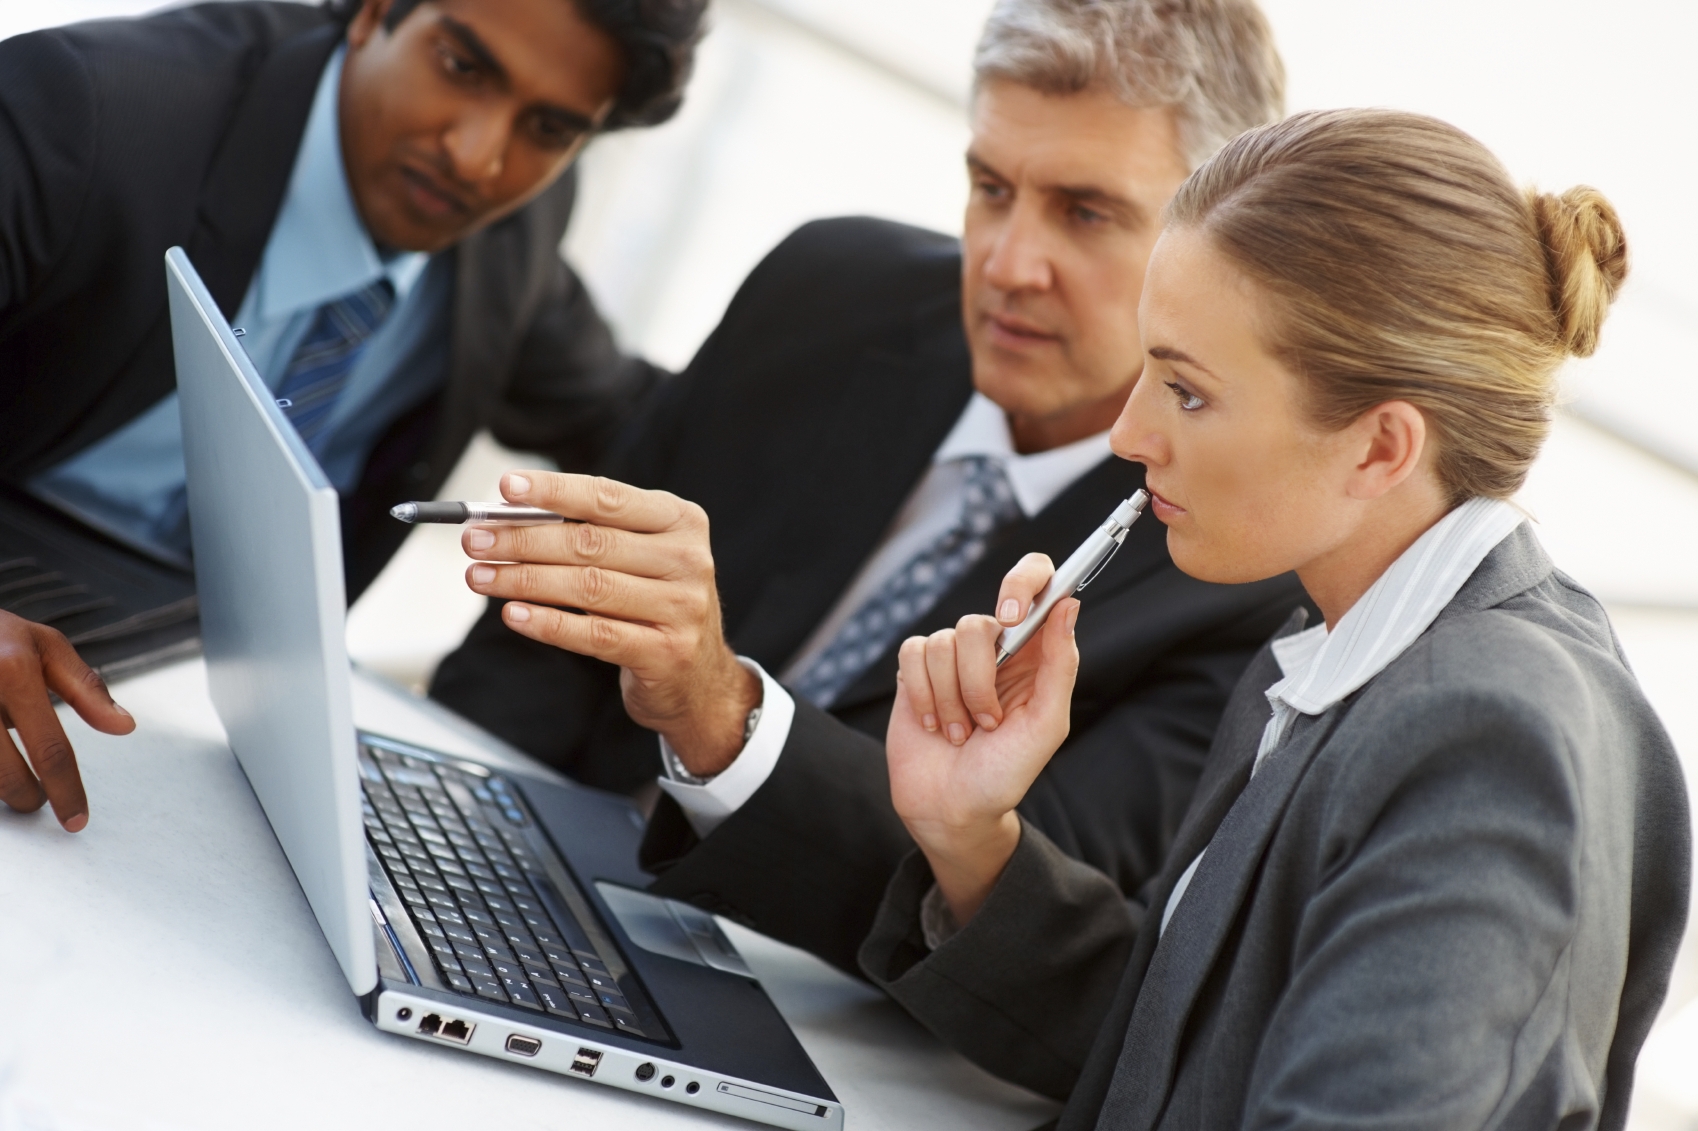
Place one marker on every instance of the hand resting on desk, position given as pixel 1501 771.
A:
pixel 35 660
pixel 630 580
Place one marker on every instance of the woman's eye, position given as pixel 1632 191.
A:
pixel 1188 401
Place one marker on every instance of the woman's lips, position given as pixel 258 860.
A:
pixel 1164 509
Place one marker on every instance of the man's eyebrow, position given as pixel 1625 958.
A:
pixel 1167 353
pixel 1129 211
pixel 977 164
pixel 473 45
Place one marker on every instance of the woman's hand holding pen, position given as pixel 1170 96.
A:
pixel 629 579
pixel 967 738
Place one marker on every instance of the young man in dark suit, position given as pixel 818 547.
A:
pixel 883 424
pixel 375 192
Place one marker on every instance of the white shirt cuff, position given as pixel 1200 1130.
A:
pixel 937 921
pixel 706 805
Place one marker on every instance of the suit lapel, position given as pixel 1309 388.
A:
pixel 1182 958
pixel 1057 531
pixel 248 177
pixel 867 452
pixel 1225 774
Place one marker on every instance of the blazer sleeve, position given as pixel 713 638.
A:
pixel 48 133
pixel 1475 898
pixel 570 389
pixel 1022 989
pixel 805 859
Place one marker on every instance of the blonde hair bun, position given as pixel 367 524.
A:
pixel 1586 255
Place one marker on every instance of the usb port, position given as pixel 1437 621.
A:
pixel 586 1061
pixel 521 1045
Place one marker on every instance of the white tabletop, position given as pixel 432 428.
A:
pixel 161 971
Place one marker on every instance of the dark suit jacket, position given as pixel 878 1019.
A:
pixel 801 427
pixel 1453 900
pixel 121 138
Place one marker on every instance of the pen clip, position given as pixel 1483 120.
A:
pixel 1102 565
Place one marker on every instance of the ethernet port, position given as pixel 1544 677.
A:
pixel 431 1024
pixel 457 1031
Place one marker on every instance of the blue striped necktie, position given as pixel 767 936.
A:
pixel 905 596
pixel 319 369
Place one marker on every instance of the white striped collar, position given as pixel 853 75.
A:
pixel 1322 668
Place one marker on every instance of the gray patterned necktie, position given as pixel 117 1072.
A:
pixel 910 592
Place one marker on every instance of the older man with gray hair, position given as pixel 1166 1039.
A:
pixel 884 423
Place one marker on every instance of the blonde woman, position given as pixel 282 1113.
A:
pixel 1436 870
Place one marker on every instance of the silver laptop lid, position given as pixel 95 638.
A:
pixel 268 567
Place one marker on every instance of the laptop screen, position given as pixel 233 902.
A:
pixel 268 568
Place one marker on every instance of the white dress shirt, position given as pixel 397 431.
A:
pixel 1320 668
pixel 931 510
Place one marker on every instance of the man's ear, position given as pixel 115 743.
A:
pixel 367 21
pixel 1392 441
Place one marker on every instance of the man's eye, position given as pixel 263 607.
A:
pixel 1188 401
pixel 456 65
pixel 1087 215
pixel 990 189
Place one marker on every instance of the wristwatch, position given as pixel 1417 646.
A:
pixel 675 765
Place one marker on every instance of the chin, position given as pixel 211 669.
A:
pixel 1200 558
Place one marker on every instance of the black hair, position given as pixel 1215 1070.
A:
pixel 657 37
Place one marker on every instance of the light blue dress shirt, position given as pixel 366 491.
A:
pixel 131 485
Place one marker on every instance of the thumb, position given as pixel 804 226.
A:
pixel 1052 691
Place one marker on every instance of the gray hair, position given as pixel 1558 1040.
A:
pixel 1213 61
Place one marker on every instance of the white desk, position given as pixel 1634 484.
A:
pixel 161 972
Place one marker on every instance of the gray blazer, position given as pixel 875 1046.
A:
pixel 1451 901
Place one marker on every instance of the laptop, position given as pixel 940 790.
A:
pixel 469 907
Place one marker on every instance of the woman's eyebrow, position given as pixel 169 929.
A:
pixel 1167 353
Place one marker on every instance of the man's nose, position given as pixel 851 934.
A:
pixel 1019 260
pixel 477 145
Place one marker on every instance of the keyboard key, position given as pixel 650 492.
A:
pixel 531 956
pixel 489 936
pixel 489 988
pixel 540 975
pixel 498 953
pixel 554 999
pixel 458 934
pixel 523 995
pixel 482 917
pixel 431 884
pixel 581 996
pixel 592 1013
pixel 627 1024
pixel 602 982
pixel 477 968
pixel 452 918
pixel 428 925
pixel 615 1001
pixel 458 981
pixel 570 976
pixel 491 889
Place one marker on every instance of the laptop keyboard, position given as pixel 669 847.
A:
pixel 455 846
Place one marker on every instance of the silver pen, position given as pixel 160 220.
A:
pixel 493 514
pixel 1078 571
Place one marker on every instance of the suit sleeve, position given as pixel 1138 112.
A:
pixel 1444 955
pixel 1022 989
pixel 48 133
pixel 806 859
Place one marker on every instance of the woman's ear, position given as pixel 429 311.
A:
pixel 1392 441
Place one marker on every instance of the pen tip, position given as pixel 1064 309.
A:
pixel 406 512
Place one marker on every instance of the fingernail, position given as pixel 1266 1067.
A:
pixel 482 574
pixel 1072 619
pixel 478 538
pixel 518 614
pixel 929 722
pixel 518 485
pixel 1010 611
pixel 120 709
pixel 77 823
pixel 957 733
pixel 986 721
